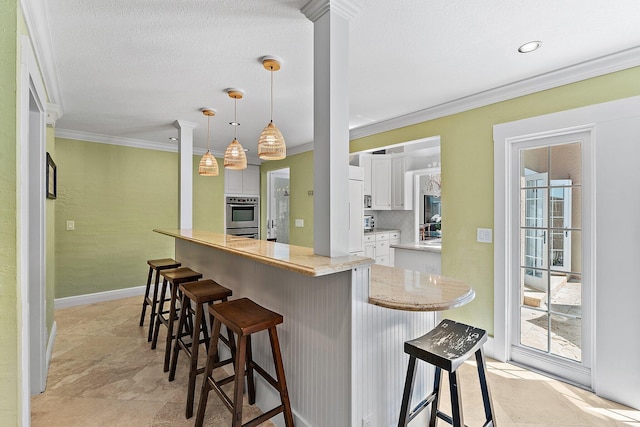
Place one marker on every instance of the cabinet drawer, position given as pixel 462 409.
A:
pixel 382 248
pixel 382 260
pixel 370 237
pixel 395 235
pixel 394 242
pixel 382 236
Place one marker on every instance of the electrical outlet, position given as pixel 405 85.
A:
pixel 299 222
pixel 367 421
pixel 71 225
pixel 485 235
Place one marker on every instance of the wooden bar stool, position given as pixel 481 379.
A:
pixel 174 278
pixel 447 346
pixel 155 265
pixel 201 292
pixel 244 317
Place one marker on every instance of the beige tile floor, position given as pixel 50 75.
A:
pixel 104 374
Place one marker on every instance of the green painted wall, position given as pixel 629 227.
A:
pixel 50 207
pixel 467 174
pixel 116 196
pixel 208 199
pixel 300 203
pixel 9 375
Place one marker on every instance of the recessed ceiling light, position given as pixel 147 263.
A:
pixel 530 47
pixel 173 138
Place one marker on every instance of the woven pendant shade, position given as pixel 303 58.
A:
pixel 234 156
pixel 208 165
pixel 271 145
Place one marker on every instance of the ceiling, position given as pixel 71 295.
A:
pixel 129 69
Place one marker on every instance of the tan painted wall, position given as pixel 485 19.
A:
pixel 9 375
pixel 116 196
pixel 300 203
pixel 467 174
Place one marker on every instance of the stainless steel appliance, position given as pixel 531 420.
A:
pixel 368 223
pixel 243 216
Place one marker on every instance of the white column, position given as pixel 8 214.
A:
pixel 331 123
pixel 185 173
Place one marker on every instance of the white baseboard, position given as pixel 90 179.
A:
pixel 73 301
pixel 52 340
pixel 488 348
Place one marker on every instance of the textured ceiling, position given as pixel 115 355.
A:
pixel 131 68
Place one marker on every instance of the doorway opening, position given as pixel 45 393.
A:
pixel 278 205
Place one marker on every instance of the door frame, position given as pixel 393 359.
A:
pixel 31 229
pixel 508 138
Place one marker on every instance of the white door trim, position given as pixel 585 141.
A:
pixel 32 231
pixel 507 139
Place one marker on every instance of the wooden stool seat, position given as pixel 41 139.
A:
pixel 447 347
pixel 155 265
pixel 199 293
pixel 173 277
pixel 244 317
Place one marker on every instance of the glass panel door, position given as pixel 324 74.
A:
pixel 549 308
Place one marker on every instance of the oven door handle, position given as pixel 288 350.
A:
pixel 243 206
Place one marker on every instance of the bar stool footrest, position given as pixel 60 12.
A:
pixel 420 406
pixel 264 417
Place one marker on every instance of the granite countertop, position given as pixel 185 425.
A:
pixel 289 257
pixel 414 291
pixel 433 245
pixel 381 230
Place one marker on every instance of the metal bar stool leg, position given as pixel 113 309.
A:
pixel 456 400
pixel 435 405
pixel 408 391
pixel 484 387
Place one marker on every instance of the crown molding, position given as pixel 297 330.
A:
pixel 54 112
pixel 140 143
pixel 35 16
pixel 597 67
pixel 125 142
pixel 347 9
pixel 300 149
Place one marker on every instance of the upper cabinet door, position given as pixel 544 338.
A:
pixel 242 182
pixel 365 163
pixel 380 183
pixel 251 180
pixel 398 166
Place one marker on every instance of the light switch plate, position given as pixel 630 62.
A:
pixel 299 222
pixel 485 235
pixel 71 225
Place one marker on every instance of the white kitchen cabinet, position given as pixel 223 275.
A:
pixel 244 182
pixel 380 183
pixel 401 185
pixel 365 164
pixel 376 246
pixel 394 239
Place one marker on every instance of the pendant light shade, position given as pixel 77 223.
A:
pixel 271 145
pixel 208 164
pixel 234 156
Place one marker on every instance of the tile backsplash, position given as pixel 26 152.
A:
pixel 396 220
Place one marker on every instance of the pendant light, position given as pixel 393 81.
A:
pixel 271 145
pixel 208 164
pixel 234 156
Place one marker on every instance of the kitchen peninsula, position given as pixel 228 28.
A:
pixel 345 322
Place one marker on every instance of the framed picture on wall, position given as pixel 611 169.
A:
pixel 52 178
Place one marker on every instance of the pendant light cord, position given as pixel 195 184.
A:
pixel 208 130
pixel 235 118
pixel 271 93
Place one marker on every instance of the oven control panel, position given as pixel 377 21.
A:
pixel 243 200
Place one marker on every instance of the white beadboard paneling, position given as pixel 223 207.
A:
pixel 343 357
pixel 379 363
pixel 314 338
